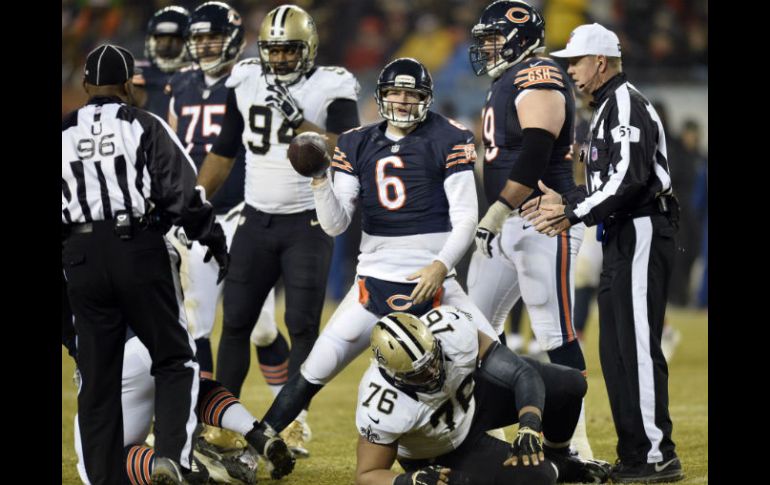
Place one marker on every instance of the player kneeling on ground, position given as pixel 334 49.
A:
pixel 437 384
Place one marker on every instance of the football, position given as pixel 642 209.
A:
pixel 307 153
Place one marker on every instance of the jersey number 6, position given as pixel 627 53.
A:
pixel 385 182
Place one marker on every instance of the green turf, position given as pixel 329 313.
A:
pixel 332 415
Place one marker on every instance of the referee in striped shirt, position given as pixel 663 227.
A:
pixel 631 197
pixel 125 180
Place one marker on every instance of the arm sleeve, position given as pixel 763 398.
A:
pixel 342 115
pixel 229 139
pixel 173 178
pixel 335 205
pixel 506 369
pixel 632 138
pixel 460 191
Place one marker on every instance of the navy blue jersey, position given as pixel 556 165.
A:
pixel 154 82
pixel 200 111
pixel 402 183
pixel 502 132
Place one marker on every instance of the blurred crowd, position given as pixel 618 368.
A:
pixel 663 41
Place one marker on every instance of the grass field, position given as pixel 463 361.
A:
pixel 332 419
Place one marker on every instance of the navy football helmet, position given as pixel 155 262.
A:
pixel 410 75
pixel 523 30
pixel 215 36
pixel 164 44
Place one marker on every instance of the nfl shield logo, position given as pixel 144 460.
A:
pixel 395 148
pixel 594 154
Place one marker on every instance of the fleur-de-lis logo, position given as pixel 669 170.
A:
pixel 378 355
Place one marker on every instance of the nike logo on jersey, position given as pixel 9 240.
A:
pixel 376 421
pixel 660 468
pixel 526 226
pixel 314 222
pixel 535 63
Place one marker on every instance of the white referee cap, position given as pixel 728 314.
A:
pixel 590 40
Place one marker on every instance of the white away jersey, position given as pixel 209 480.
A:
pixel 425 425
pixel 272 185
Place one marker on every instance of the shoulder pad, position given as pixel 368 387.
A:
pixel 539 73
pixel 343 82
pixel 243 70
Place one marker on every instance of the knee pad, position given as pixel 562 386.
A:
pixel 263 334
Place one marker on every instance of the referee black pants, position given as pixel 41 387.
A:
pixel 638 259
pixel 266 247
pixel 113 284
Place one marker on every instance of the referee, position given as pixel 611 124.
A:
pixel 630 196
pixel 125 180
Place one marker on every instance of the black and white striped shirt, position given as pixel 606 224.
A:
pixel 626 164
pixel 117 157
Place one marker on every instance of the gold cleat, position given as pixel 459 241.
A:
pixel 294 436
pixel 223 438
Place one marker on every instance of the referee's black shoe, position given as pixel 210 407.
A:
pixel 267 443
pixel 662 471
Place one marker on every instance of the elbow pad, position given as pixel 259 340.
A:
pixel 503 368
pixel 536 150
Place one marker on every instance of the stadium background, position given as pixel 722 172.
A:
pixel 665 49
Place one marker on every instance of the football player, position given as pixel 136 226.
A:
pixel 270 100
pixel 412 176
pixel 165 54
pixel 436 384
pixel 528 130
pixel 215 38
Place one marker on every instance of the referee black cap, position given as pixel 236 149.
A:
pixel 109 65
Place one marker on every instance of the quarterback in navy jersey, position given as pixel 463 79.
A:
pixel 165 52
pixel 528 130
pixel 412 176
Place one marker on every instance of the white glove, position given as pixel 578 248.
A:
pixel 490 226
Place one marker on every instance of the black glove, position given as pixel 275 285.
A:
pixel 217 247
pixel 424 476
pixel 528 442
pixel 281 100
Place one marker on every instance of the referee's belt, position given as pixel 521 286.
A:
pixel 664 204
pixel 88 227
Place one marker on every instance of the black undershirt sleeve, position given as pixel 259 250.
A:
pixel 229 140
pixel 342 115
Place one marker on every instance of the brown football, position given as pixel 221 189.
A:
pixel 307 153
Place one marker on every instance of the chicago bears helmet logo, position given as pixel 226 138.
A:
pixel 517 15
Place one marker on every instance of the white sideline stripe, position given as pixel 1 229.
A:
pixel 644 364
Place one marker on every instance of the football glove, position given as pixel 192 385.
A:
pixel 281 100
pixel 528 441
pixel 490 225
pixel 217 248
pixel 424 476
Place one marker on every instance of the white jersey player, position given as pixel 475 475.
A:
pixel 436 384
pixel 270 100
